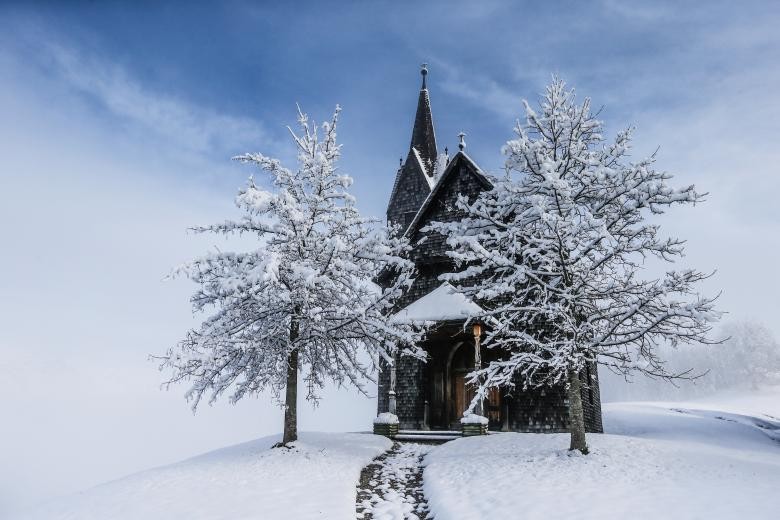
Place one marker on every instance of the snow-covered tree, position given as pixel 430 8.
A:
pixel 749 358
pixel 556 251
pixel 305 298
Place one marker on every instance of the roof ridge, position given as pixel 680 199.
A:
pixel 441 181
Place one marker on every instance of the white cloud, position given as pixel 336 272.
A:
pixel 482 91
pixel 637 10
pixel 166 116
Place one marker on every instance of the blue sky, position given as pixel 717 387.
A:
pixel 253 61
pixel 117 123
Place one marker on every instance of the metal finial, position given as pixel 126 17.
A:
pixel 424 72
pixel 447 154
pixel 400 161
pixel 462 143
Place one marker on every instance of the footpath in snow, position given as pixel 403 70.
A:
pixel 391 486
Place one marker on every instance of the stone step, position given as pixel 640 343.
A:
pixel 430 432
pixel 414 437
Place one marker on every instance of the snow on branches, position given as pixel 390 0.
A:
pixel 306 290
pixel 554 252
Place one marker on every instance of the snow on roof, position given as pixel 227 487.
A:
pixel 428 177
pixel 442 304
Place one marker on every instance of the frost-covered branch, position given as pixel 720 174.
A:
pixel 305 295
pixel 555 251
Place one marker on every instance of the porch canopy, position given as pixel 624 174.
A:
pixel 445 303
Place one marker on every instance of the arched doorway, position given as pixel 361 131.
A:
pixel 459 394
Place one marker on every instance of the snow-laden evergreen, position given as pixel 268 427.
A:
pixel 305 296
pixel 555 253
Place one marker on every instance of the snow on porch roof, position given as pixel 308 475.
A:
pixel 442 304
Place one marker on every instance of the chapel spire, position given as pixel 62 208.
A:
pixel 423 137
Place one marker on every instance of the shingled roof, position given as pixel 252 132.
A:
pixel 445 177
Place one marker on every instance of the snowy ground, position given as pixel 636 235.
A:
pixel 659 460
pixel 316 479
pixel 711 459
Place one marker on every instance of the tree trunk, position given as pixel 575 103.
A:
pixel 291 391
pixel 291 400
pixel 576 414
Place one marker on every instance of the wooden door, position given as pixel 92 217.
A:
pixel 463 394
pixel 459 392
pixel 494 407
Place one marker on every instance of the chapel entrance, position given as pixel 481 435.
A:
pixel 451 395
pixel 448 395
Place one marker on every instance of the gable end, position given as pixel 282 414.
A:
pixel 461 177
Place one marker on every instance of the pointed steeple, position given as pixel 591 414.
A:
pixel 415 176
pixel 423 137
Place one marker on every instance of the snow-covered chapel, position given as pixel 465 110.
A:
pixel 433 395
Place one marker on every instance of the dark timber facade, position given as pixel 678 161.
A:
pixel 433 394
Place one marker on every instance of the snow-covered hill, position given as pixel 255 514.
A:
pixel 658 460
pixel 314 480
pixel 714 459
